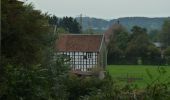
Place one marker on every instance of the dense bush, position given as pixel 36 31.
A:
pixel 77 87
pixel 33 82
pixel 115 56
pixel 24 83
pixel 153 56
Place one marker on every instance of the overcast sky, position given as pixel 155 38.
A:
pixel 107 9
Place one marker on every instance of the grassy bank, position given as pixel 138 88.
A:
pixel 139 74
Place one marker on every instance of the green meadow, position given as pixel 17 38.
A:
pixel 141 75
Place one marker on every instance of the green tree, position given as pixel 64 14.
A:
pixel 117 44
pixel 153 56
pixel 23 33
pixel 138 46
pixel 69 24
pixel 165 34
pixel 53 20
pixel 29 68
pixel 154 35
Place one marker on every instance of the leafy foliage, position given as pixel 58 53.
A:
pixel 67 23
pixel 154 35
pixel 29 68
pixel 117 44
pixel 165 36
pixel 134 48
pixel 23 33
pixel 140 46
pixel 157 90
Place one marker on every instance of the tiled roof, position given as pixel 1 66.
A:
pixel 84 43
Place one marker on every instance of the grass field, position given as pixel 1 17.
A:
pixel 138 74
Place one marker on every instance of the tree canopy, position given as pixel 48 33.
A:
pixel 29 68
pixel 67 23
pixel 117 43
pixel 23 33
pixel 165 34
pixel 132 48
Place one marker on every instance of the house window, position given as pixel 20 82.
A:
pixel 89 54
pixel 84 57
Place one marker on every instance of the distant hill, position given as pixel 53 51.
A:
pixel 100 25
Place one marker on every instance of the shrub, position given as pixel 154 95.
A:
pixel 153 56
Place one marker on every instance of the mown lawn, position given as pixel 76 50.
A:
pixel 139 74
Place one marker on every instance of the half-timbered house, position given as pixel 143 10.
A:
pixel 85 51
